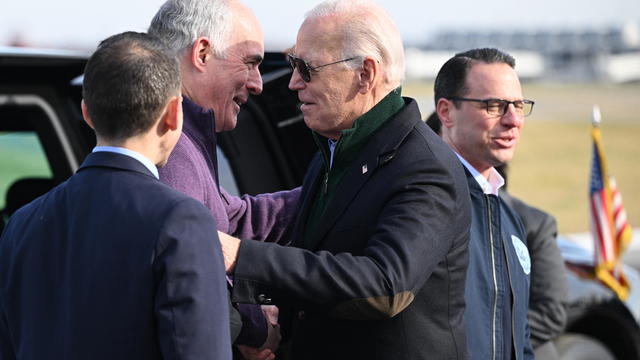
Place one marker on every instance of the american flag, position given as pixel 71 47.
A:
pixel 611 232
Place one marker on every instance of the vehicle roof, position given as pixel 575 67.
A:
pixel 10 51
pixel 21 66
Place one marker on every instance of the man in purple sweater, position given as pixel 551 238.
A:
pixel 220 44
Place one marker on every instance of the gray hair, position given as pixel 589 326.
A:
pixel 180 22
pixel 368 31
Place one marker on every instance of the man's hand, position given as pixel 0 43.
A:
pixel 266 351
pixel 270 313
pixel 230 246
pixel 273 335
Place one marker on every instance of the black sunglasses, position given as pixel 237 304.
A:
pixel 304 69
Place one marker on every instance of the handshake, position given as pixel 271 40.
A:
pixel 230 246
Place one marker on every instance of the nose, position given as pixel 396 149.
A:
pixel 511 118
pixel 254 83
pixel 296 83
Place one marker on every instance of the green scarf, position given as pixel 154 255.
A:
pixel 351 142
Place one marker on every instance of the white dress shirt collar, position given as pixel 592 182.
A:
pixel 141 158
pixel 332 149
pixel 488 186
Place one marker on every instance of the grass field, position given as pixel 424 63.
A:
pixel 551 167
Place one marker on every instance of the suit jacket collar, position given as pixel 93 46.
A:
pixel 355 138
pixel 378 151
pixel 115 161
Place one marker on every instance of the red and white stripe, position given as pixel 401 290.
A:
pixel 619 215
pixel 602 227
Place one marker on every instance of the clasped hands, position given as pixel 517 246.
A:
pixel 230 246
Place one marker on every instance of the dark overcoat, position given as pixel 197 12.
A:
pixel 384 275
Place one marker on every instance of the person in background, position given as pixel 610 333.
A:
pixel 112 263
pixel 434 123
pixel 478 99
pixel 548 291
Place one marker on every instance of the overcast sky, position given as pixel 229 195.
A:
pixel 82 23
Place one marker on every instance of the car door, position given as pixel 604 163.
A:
pixel 42 136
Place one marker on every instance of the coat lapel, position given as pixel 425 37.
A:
pixel 378 151
pixel 310 187
pixel 353 180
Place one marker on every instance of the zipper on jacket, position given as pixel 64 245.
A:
pixel 495 280
pixel 513 305
pixel 325 183
pixel 326 156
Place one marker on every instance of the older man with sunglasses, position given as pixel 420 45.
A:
pixel 479 102
pixel 379 255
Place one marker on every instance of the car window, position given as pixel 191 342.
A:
pixel 35 149
pixel 21 157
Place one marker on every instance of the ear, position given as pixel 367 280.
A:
pixel 368 75
pixel 171 118
pixel 201 53
pixel 443 109
pixel 85 114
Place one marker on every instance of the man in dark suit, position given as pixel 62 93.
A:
pixel 113 264
pixel 379 255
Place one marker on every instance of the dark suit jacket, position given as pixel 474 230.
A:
pixel 112 264
pixel 385 276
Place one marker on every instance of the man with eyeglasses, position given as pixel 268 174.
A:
pixel 480 104
pixel 378 261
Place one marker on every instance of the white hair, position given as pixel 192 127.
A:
pixel 180 22
pixel 368 31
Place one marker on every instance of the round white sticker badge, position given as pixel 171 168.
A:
pixel 523 254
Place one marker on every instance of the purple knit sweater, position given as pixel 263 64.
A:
pixel 192 169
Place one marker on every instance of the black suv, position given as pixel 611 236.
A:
pixel 43 139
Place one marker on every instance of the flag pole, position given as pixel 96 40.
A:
pixel 596 116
